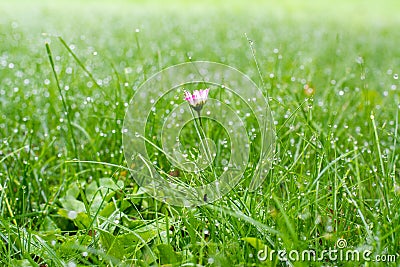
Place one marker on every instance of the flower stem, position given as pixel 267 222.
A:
pixel 198 115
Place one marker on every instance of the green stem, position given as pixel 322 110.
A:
pixel 198 115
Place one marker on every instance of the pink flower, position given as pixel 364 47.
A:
pixel 197 99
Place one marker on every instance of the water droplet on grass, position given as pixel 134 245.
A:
pixel 72 214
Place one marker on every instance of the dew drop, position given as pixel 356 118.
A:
pixel 72 214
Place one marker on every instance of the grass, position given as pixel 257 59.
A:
pixel 67 197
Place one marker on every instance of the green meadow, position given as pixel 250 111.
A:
pixel 328 69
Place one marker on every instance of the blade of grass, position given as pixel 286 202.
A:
pixel 79 62
pixel 63 100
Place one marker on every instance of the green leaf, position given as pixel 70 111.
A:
pixel 71 204
pixel 106 186
pixel 72 192
pixel 167 255
pixel 20 263
pixel 99 194
pixel 48 225
pixel 128 243
pixel 107 210
pixel 255 242
pixel 80 219
pixel 112 245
